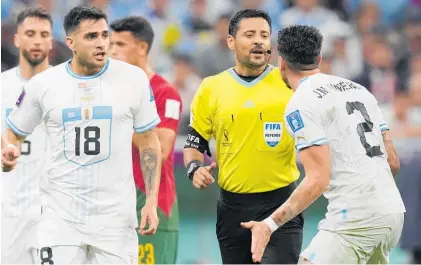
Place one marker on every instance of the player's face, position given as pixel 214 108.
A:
pixel 90 43
pixel 251 42
pixel 33 39
pixel 124 46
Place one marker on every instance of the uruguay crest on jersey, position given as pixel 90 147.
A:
pixel 272 132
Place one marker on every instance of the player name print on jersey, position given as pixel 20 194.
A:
pixel 272 133
pixel 87 134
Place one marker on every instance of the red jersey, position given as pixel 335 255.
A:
pixel 168 104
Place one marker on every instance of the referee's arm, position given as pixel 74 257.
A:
pixel 197 143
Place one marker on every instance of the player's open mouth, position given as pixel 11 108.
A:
pixel 100 55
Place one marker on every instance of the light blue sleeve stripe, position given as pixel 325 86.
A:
pixel 321 141
pixel 148 126
pixel 15 129
pixel 382 129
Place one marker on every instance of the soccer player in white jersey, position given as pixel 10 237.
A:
pixel 345 148
pixel 90 105
pixel 20 199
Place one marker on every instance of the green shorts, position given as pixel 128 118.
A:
pixel 160 248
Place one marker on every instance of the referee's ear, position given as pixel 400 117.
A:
pixel 231 42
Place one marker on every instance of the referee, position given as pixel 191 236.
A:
pixel 243 108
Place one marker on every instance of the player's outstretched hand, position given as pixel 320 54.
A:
pixel 149 217
pixel 202 178
pixel 9 157
pixel 260 235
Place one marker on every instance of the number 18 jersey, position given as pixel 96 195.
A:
pixel 90 121
pixel 331 110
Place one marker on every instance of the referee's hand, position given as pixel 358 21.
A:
pixel 202 178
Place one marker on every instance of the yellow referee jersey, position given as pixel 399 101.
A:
pixel 254 151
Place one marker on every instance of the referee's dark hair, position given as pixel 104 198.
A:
pixel 247 13
pixel 36 12
pixel 300 46
pixel 79 14
pixel 138 26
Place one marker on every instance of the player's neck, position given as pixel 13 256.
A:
pixel 27 71
pixel 246 71
pixel 142 63
pixel 83 70
pixel 296 78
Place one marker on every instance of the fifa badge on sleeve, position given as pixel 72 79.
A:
pixel 295 121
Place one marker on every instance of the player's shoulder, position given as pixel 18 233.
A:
pixel 11 77
pixel 160 85
pixel 125 70
pixel 52 74
pixel 13 72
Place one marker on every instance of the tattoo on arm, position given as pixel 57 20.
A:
pixel 148 163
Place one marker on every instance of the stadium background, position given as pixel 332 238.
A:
pixel 376 43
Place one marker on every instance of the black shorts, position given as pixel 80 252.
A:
pixel 284 246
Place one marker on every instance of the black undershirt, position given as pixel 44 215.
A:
pixel 248 79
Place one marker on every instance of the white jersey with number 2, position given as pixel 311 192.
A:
pixel 331 110
pixel 20 187
pixel 90 121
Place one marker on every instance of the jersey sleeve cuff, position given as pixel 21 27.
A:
pixel 321 141
pixel 148 126
pixel 384 127
pixel 15 129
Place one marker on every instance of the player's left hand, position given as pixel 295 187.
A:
pixel 149 216
pixel 260 235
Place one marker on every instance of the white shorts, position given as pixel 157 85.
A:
pixel 64 242
pixel 366 241
pixel 18 237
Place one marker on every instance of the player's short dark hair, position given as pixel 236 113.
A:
pixel 79 14
pixel 138 26
pixel 36 12
pixel 247 13
pixel 300 46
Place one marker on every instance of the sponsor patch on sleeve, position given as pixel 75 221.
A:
pixel 295 121
pixel 20 98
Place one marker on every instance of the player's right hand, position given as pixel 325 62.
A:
pixel 202 178
pixel 9 157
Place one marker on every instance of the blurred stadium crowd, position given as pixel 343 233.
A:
pixel 374 42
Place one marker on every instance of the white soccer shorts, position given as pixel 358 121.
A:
pixel 18 236
pixel 63 242
pixel 367 241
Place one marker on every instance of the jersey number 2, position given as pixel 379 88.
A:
pixel 91 145
pixel 364 127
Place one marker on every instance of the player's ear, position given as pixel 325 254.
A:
pixel 230 42
pixel 70 43
pixel 143 49
pixel 16 41
pixel 319 60
pixel 281 63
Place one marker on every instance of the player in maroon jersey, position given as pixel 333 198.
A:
pixel 131 41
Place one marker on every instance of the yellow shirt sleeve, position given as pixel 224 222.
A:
pixel 201 113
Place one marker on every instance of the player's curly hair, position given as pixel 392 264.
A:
pixel 300 46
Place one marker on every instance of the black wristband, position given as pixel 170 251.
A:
pixel 192 167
